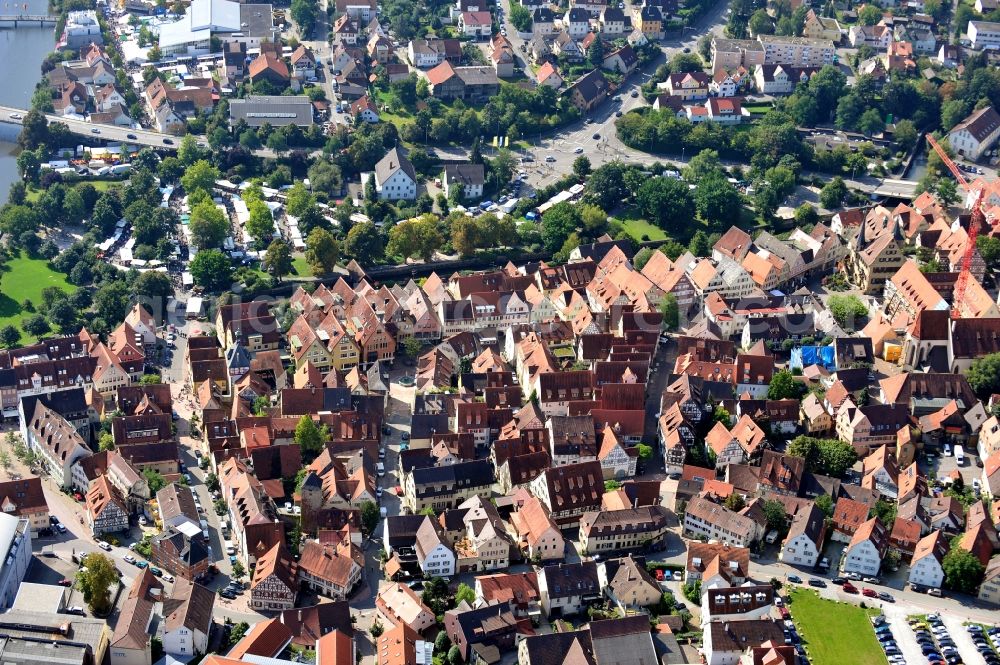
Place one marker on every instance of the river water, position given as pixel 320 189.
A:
pixel 21 53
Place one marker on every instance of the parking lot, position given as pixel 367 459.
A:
pixel 963 641
pixel 905 638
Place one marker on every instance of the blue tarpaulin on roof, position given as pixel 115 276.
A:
pixel 804 356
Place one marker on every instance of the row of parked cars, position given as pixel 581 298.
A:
pixel 985 641
pixel 887 641
pixel 936 642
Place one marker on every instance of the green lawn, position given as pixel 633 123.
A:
pixel 23 278
pixel 300 268
pixel 834 633
pixel 100 185
pixel 637 228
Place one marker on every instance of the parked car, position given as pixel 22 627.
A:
pixel 75 609
pixel 795 578
pixel 65 582
pixel 870 593
pixel 104 546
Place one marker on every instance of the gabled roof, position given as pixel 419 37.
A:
pixel 190 606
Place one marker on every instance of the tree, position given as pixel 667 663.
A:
pixel 364 243
pixel 412 346
pixel 716 199
pixel 238 570
pixel 825 503
pixel 418 237
pixel 454 655
pixel 298 199
pixel 322 251
pixel 760 23
pixel 774 513
pixel 667 203
pixel 309 437
pixel 520 17
pixel 466 593
pixel 846 310
pixel 606 185
pixel 734 502
pixel 581 165
pixel 370 515
pixel 962 570
pixel 466 235
pixel 153 285
pixel 441 642
pixel 73 208
pixel 833 193
pixel 558 223
pixel 200 175
pixel 703 164
pixel 212 270
pixel 326 177
pixel 682 63
pixel 828 457
pixel 595 53
pixel 63 315
pixel 699 245
pixel 905 134
pixel 871 122
pixel 670 311
pixel 278 259
pixel 805 215
pixel 947 192
pixel 984 375
pixel 869 15
pixel 189 152
pixel 154 479
pixel 9 336
pixel 784 386
pixel 237 632
pixel 106 442
pixel 208 225
pixel 989 249
pixel 260 224
pixel 35 325
pixel 885 512
pixel 304 14
pixel 95 578
pixel 642 257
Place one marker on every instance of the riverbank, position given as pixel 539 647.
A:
pixel 22 49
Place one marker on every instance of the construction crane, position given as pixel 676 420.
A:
pixel 977 221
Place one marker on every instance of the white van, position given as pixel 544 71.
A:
pixel 959 455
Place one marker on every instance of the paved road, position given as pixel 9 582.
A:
pixel 563 145
pixel 106 132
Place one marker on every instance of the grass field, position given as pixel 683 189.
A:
pixel 100 185
pixel 23 278
pixel 300 268
pixel 834 633
pixel 637 228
